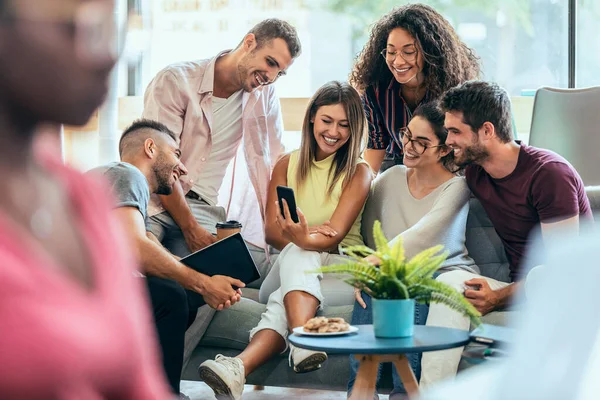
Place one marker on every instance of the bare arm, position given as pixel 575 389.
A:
pixel 195 235
pixel 273 234
pixel 505 295
pixel 157 261
pixel 487 300
pixel 375 158
pixel 178 208
pixel 350 205
pixel 569 225
pixel 151 236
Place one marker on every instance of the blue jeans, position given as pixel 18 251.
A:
pixel 364 316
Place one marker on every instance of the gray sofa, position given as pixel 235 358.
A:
pixel 227 333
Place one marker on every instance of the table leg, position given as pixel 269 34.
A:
pixel 406 375
pixel 366 378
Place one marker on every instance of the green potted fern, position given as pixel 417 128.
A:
pixel 396 284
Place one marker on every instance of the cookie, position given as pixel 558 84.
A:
pixel 315 323
pixel 334 327
pixel 336 320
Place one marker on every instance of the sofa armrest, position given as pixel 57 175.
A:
pixel 593 194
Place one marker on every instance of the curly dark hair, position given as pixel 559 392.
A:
pixel 448 61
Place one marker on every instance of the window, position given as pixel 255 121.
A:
pixel 588 46
pixel 520 48
pixel 185 30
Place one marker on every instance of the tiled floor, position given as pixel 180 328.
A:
pixel 199 391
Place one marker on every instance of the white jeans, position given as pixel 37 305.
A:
pixel 293 265
pixel 439 365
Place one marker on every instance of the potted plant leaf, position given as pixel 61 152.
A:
pixel 396 283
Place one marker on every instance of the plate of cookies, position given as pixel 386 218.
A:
pixel 322 326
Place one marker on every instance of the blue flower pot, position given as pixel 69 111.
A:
pixel 393 318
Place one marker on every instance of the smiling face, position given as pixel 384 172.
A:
pixel 403 58
pixel 168 167
pixel 423 149
pixel 330 129
pixel 466 144
pixel 262 66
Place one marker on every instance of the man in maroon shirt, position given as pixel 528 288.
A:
pixel 519 186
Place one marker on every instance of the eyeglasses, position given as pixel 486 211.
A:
pixel 419 146
pixel 408 53
pixel 100 32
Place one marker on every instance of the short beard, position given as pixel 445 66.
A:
pixel 162 173
pixel 475 154
pixel 244 71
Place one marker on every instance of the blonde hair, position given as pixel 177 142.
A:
pixel 347 157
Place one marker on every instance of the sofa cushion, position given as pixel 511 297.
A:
pixel 484 245
pixel 593 194
pixel 250 293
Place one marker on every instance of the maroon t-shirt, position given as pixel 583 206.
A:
pixel 544 187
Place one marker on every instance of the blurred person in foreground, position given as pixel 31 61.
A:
pixel 75 325
pixel 555 353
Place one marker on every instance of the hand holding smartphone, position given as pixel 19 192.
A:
pixel 287 194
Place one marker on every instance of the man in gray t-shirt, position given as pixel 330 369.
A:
pixel 129 186
pixel 150 164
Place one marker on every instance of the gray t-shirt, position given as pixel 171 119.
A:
pixel 129 186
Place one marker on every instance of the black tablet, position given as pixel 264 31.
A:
pixel 493 335
pixel 229 257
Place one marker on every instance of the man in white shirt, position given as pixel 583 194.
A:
pixel 213 106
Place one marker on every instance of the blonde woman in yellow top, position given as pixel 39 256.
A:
pixel 331 183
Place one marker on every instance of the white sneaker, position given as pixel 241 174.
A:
pixel 306 360
pixel 225 376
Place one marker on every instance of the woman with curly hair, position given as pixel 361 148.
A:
pixel 413 55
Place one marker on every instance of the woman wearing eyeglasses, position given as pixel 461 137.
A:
pixel 413 55
pixel 425 203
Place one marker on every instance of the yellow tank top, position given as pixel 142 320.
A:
pixel 312 197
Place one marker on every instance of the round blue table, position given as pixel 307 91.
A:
pixel 371 351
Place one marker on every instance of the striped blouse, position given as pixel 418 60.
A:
pixel 387 113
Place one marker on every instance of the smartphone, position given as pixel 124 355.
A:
pixel 287 194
